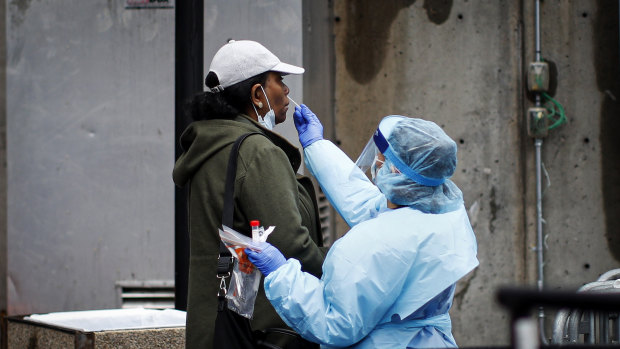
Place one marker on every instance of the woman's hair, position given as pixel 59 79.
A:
pixel 226 104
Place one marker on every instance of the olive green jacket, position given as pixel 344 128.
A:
pixel 266 189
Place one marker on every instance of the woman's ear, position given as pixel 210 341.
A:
pixel 256 92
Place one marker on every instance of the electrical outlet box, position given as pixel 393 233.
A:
pixel 537 122
pixel 538 77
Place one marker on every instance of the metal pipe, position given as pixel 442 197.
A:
pixel 618 328
pixel 610 275
pixel 538 31
pixel 539 232
pixel 573 325
pixel 560 326
pixel 604 323
pixel 592 328
pixel 539 219
pixel 537 42
pixel 539 235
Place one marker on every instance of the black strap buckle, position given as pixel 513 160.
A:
pixel 224 270
pixel 224 266
pixel 221 294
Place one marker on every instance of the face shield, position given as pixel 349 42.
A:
pixel 369 153
pixel 378 144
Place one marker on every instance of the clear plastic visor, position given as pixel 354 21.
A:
pixel 370 151
pixel 378 144
pixel 368 156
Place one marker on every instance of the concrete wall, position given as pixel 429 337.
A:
pixel 581 191
pixel 460 64
pixel 581 158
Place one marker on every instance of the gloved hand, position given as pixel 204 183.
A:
pixel 308 125
pixel 267 260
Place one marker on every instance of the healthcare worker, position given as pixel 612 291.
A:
pixel 390 281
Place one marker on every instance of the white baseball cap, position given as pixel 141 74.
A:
pixel 240 60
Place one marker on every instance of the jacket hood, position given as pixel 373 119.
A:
pixel 203 139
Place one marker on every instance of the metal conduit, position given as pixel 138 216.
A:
pixel 539 234
pixel 591 326
pixel 539 218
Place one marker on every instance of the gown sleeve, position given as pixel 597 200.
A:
pixel 355 292
pixel 347 188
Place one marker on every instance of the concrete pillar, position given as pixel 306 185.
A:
pixel 457 64
pixel 462 65
pixel 579 39
pixel 318 87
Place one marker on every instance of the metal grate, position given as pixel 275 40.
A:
pixel 148 294
pixel 588 327
pixel 325 216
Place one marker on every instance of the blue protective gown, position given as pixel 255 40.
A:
pixel 389 282
pixel 347 188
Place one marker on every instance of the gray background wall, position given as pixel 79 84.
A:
pixel 90 124
pixel 90 121
pixel 275 24
pixel 90 105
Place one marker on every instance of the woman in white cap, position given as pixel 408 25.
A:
pixel 245 94
pixel 390 281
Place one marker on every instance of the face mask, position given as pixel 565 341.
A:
pixel 374 169
pixel 269 120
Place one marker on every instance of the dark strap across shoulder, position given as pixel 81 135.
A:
pixel 232 329
pixel 224 264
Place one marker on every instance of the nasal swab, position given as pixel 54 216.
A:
pixel 293 101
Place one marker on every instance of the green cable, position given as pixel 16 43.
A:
pixel 551 105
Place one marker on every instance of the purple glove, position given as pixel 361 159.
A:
pixel 267 260
pixel 308 126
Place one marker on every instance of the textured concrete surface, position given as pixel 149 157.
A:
pixel 21 335
pixel 581 191
pixel 36 336
pixel 151 338
pixel 461 65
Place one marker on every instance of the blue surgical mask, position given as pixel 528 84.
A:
pixel 269 120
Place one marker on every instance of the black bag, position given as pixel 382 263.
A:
pixel 233 331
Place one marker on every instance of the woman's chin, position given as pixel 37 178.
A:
pixel 280 119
